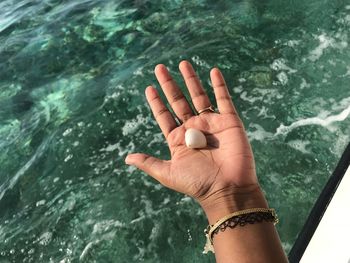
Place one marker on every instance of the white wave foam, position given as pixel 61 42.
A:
pixel 338 42
pixel 283 78
pixel 259 134
pixel 87 249
pixel 299 145
pixel 280 64
pixel 244 96
pixel 304 84
pixel 314 121
pixel 132 126
pixel 325 42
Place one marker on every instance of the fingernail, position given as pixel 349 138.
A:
pixel 128 159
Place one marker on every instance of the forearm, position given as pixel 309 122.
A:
pixel 258 243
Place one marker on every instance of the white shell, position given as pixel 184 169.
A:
pixel 195 139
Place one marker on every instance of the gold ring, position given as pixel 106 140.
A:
pixel 210 108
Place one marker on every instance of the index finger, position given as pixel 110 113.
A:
pixel 161 113
pixel 173 93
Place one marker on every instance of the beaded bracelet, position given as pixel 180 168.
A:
pixel 241 218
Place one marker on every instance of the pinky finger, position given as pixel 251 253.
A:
pixel 222 95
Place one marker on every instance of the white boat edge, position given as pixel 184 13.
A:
pixel 330 242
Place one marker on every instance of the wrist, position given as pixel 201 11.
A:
pixel 229 200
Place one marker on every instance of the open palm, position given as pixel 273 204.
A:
pixel 226 163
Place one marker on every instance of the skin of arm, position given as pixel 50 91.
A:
pixel 221 177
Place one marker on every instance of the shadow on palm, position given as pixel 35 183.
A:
pixel 201 171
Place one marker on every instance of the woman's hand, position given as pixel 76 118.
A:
pixel 221 177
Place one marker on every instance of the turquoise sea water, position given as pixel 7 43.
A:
pixel 72 105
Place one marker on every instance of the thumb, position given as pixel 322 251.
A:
pixel 158 169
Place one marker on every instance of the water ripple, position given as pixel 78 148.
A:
pixel 9 183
